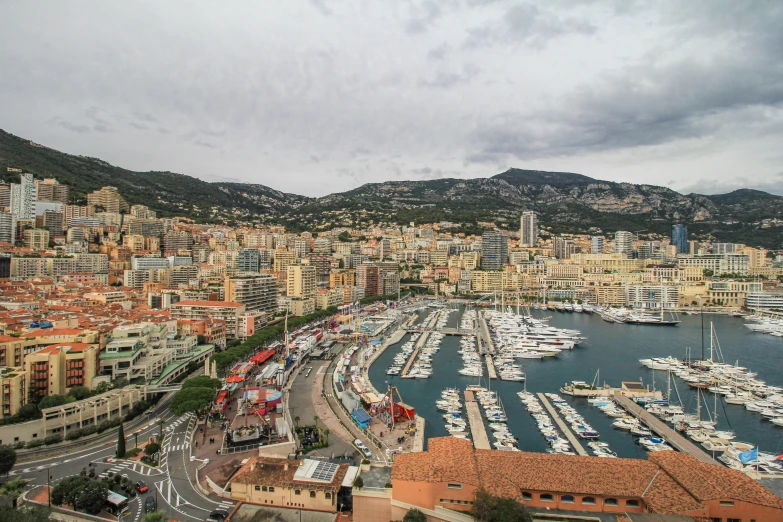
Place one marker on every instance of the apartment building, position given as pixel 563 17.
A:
pixel 13 386
pixel 36 239
pixel 301 281
pixel 11 351
pixel 731 293
pixel 229 312
pixel 486 281
pixel 57 368
pixel 258 292
pixel 108 199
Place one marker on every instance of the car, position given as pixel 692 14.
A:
pixel 219 515
pixel 149 504
pixel 363 448
pixel 141 487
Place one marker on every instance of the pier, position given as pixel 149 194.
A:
pixel 418 438
pixel 484 330
pixel 563 426
pixel 491 367
pixel 457 331
pixel 417 347
pixel 674 439
pixel 477 429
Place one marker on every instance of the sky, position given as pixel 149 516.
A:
pixel 316 97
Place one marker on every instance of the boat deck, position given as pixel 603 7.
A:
pixel 655 424
pixel 565 428
pixel 477 430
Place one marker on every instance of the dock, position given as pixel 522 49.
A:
pixel 655 424
pixel 491 367
pixel 477 430
pixel 565 428
pixel 418 438
pixel 484 334
pixel 417 347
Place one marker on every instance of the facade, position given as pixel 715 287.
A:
pixel 108 199
pixel 494 250
pixel 23 197
pixel 679 238
pixel 597 245
pixel 36 239
pixel 528 229
pixel 258 292
pixel 196 310
pixel 56 369
pixel 764 301
pixel 301 281
pixel 731 293
pixel 623 243
pixel 650 297
pixel 249 260
pixel 13 384
pixel 7 228
pixel 51 190
pixel 368 277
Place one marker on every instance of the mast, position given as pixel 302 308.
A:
pixel 701 312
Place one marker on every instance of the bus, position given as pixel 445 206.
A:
pixel 116 504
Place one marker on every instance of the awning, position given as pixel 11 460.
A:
pixel 350 476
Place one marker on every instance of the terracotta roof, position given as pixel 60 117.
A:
pixel 9 339
pixel 712 482
pixel 47 332
pixel 208 303
pixel 271 471
pixel 447 459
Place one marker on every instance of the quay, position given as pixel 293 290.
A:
pixel 676 440
pixel 477 429
pixel 419 344
pixel 563 426
pixel 457 331
pixel 484 330
pixel 491 367
pixel 418 438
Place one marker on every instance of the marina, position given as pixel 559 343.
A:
pixel 597 344
pixel 477 429
pixel 565 430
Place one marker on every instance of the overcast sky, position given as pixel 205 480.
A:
pixel 315 97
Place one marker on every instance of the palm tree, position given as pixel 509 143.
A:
pixel 296 421
pixel 326 434
pixel 316 418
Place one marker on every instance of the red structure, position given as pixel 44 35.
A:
pixel 262 356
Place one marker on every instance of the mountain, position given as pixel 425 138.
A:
pixel 167 192
pixel 565 201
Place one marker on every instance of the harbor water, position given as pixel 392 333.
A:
pixel 615 350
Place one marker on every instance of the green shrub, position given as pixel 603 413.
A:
pixel 53 439
pixel 34 443
pixel 18 445
pixel 74 434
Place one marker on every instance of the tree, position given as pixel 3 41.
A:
pixel 92 497
pixel 191 400
pixel 201 382
pixel 29 412
pixel 79 392
pixel 121 442
pixel 327 431
pixel 316 418
pixel 67 490
pixel 151 448
pixel 50 401
pixel 358 482
pixel 155 516
pixel 414 515
pixel 7 459
pixel 24 514
pixel 489 508
pixel 102 387
pixel 13 488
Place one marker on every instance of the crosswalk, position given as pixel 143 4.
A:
pixel 116 468
pixel 145 470
pixel 171 427
pixel 170 494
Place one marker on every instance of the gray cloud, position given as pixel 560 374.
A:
pixel 316 97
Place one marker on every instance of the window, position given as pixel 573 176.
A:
pixel 327 495
pixel 312 494
pixel 568 499
pixel 454 486
pixel 297 492
pixel 588 500
pixel 733 520
pixel 271 489
pixel 258 488
pixel 631 503
pixel 726 503
pixel 545 497
pixel 263 488
pixel 526 496
pixel 610 502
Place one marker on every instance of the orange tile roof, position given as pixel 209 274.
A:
pixel 711 482
pixel 48 332
pixel 9 339
pixel 208 303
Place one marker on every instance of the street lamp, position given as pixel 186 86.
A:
pixel 49 487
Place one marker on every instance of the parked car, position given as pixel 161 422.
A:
pixel 149 504
pixel 141 487
pixel 219 515
pixel 363 448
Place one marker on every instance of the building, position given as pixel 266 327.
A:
pixel 57 368
pixel 764 301
pixel 597 244
pixel 53 220
pixel 7 228
pixel 301 281
pixel 494 250
pixel 148 263
pixel 258 292
pixel 390 282
pixel 107 199
pixel 13 383
pixel 679 238
pixel 36 239
pixel 369 278
pixel 51 190
pixel 723 248
pixel 731 293
pixel 563 247
pixel 307 484
pixel 177 240
pixel 5 266
pixel 11 351
pixel 528 229
pixel 718 264
pixel 623 243
pixel 444 479
pixel 23 197
pixel 249 260
pixel 651 296
pixel 197 310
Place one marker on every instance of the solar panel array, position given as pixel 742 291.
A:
pixel 325 471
